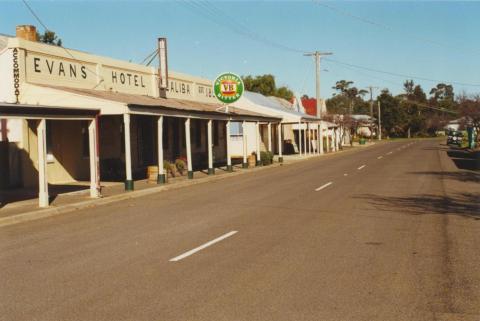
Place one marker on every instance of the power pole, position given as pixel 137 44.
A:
pixel 379 122
pixel 371 88
pixel 318 55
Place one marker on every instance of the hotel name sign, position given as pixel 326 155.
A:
pixel 64 72
pixel 55 71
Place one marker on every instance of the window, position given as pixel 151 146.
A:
pixel 236 129
pixel 48 134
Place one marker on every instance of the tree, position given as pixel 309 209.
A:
pixel 50 38
pixel 265 85
pixel 393 116
pixel 443 96
pixel 411 102
pixel 285 93
pixel 353 94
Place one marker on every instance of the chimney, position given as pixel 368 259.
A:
pixel 27 32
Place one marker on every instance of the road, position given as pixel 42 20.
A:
pixel 388 232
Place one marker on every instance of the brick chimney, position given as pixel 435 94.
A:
pixel 27 32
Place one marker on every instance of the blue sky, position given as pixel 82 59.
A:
pixel 434 40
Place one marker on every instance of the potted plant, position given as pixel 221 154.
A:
pixel 252 159
pixel 180 165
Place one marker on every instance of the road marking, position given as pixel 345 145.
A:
pixel 361 167
pixel 201 247
pixel 323 186
pixel 389 153
pixel 345 174
pixel 379 157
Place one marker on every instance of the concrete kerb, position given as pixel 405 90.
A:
pixel 64 209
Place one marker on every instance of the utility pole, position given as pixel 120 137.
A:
pixel 318 55
pixel 371 88
pixel 379 122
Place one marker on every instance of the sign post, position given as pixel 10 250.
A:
pixel 228 88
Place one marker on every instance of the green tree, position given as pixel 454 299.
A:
pixel 393 116
pixel 50 38
pixel 265 85
pixel 353 95
pixel 285 93
pixel 443 96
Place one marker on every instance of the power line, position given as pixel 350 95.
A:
pixel 389 28
pixel 401 75
pixel 66 50
pixel 215 15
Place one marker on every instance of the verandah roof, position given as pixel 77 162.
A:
pixel 177 107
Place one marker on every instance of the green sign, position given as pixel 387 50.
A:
pixel 228 88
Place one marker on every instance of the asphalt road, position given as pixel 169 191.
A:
pixel 389 232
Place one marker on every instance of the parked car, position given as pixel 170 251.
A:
pixel 455 138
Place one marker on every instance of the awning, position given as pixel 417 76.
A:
pixel 9 110
pixel 114 103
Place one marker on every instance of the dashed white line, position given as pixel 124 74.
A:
pixel 361 167
pixel 345 174
pixel 389 153
pixel 379 157
pixel 323 186
pixel 201 247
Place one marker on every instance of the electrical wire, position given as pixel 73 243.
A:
pixel 153 53
pixel 390 28
pixel 400 75
pixel 215 15
pixel 66 50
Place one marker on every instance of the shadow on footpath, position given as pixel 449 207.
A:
pixel 462 204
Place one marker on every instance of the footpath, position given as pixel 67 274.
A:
pixel 21 205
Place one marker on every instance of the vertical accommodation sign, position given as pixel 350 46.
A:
pixel 16 74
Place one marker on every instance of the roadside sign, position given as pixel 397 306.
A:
pixel 228 88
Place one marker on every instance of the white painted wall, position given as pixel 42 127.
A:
pixel 237 141
pixel 7 92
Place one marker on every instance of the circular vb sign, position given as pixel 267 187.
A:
pixel 228 88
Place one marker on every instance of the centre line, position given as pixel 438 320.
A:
pixel 379 157
pixel 201 247
pixel 389 153
pixel 323 186
pixel 361 167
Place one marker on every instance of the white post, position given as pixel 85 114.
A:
pixel 320 137
pixel 188 146
pixel 300 138
pixel 42 164
pixel 229 157
pixel 93 153
pixel 245 146
pixel 305 140
pixel 128 153
pixel 211 170
pixel 269 137
pixel 279 130
pixel 161 170
pixel 312 151
pixel 257 125
pixel 328 140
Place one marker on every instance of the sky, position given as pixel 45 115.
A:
pixel 434 41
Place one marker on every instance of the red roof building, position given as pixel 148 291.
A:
pixel 310 105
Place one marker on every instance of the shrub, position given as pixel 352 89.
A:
pixel 266 158
pixel 180 165
pixel 168 168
